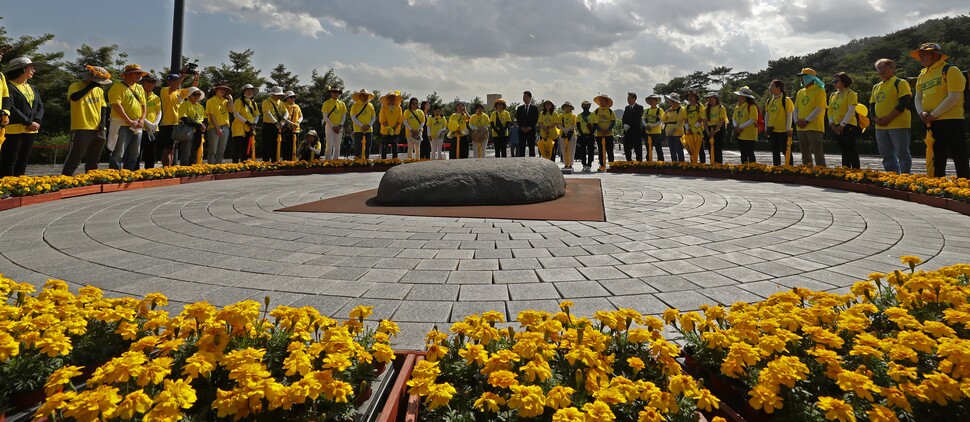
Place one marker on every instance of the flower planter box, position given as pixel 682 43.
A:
pixel 270 173
pixel 80 191
pixel 235 175
pixel 782 178
pixel 297 171
pixel 888 192
pixel 197 178
pixel 144 184
pixel 820 182
pixel 957 206
pixel 115 187
pixel 734 405
pixel 933 201
pixel 756 177
pixel 40 199
pixel 397 404
pixel 854 187
pixel 10 203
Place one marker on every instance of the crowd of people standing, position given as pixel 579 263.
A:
pixel 139 126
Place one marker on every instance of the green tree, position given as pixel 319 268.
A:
pixel 51 81
pixel 106 56
pixel 238 72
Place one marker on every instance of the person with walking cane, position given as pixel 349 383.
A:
pixel 715 114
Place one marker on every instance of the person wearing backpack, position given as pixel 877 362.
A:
pixel 778 118
pixel 363 115
pixel 746 124
pixel 715 115
pixel 810 117
pixel 890 102
pixel 939 102
pixel 843 120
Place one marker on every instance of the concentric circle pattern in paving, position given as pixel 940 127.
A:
pixel 669 241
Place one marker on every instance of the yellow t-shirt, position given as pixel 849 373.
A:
pixel 841 102
pixel 550 120
pixel 568 121
pixel 653 116
pixel 807 100
pixel 674 119
pixel 695 118
pixel 153 107
pixel 249 113
pixel 273 110
pixel 364 112
pixel 296 114
pixel 717 114
pixel 415 118
pixel 460 120
pixel 436 124
pixel 28 91
pixel 193 111
pixel 931 84
pixel 131 100
pixel 503 116
pixel 334 111
pixel 581 123
pixel 604 117
pixel 777 114
pixel 170 105
pixel 744 113
pixel 86 112
pixel 218 108
pixel 391 116
pixel 885 96
pixel 480 120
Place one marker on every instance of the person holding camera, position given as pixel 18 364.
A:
pixel 274 120
pixel 172 96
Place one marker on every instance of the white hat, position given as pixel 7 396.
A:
pixel 247 86
pixel 276 91
pixel 192 90
pixel 312 133
pixel 289 94
pixel 20 63
pixel 675 97
pixel 745 92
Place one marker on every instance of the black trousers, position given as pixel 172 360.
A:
pixel 608 150
pixel 779 145
pixel 847 144
pixel 286 147
pixel 950 141
pixel 358 139
pixel 501 144
pixel 747 151
pixel 526 139
pixel 658 145
pixel 389 144
pixel 14 154
pixel 424 150
pixel 85 145
pixel 270 132
pixel 585 150
pixel 633 143
pixel 237 148
pixel 456 151
pixel 148 149
pixel 717 155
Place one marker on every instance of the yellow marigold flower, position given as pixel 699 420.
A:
pixel 361 312
pixel 93 404
pixel 635 363
pixel 60 377
pixel 739 356
pixel 764 398
pixel 569 414
pixel 435 351
pixel 490 402
pixel 881 414
pixel 527 400
pixel 941 389
pixel 559 397
pixel 650 414
pixel 671 315
pixel 383 353
pixel 910 260
pixel 682 384
pixel 859 384
pixel 938 329
pixel 199 365
pixel 599 411
pixel 135 403
pixel 156 371
pixel 836 409
pixel 566 305
pixel 864 289
pixel 55 402
pixel 502 379
pixel 706 400
pixel 493 316
pixel 536 369
pixel 439 395
pixel 388 327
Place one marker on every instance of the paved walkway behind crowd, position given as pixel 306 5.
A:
pixel 668 242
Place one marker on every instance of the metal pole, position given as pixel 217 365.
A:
pixel 177 24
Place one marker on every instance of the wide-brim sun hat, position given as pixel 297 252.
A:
pixel 333 88
pixel 603 100
pixel 276 92
pixel 711 94
pixel 223 86
pixel 568 104
pixel 929 46
pixel 744 92
pixel 689 93
pixel 22 62
pixel 148 78
pixel 312 133
pixel 585 103
pixel 247 86
pixel 655 97
pixel 96 74
pixel 500 102
pixel 193 90
pixel 807 71
pixel 364 95
pixel 134 69
pixel 548 102
pixel 289 94
pixel 396 95
pixel 675 97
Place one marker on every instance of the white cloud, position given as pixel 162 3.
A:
pixel 265 13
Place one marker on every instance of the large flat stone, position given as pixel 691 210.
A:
pixel 472 182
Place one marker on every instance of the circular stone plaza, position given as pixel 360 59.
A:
pixel 667 242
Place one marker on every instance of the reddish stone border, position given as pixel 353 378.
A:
pixel 22 201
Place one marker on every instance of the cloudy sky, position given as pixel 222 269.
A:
pixel 559 49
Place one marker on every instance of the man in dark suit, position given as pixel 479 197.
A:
pixel 633 128
pixel 527 115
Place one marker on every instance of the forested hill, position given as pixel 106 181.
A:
pixel 855 58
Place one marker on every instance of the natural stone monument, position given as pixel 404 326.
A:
pixel 505 181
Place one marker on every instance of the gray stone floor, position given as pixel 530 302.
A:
pixel 669 241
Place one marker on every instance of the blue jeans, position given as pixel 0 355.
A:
pixel 125 154
pixel 894 149
pixel 676 149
